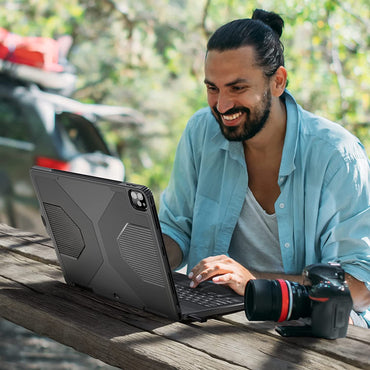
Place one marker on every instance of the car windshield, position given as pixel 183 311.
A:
pixel 78 135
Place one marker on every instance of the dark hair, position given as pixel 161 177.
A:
pixel 262 32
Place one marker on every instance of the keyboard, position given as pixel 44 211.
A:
pixel 206 298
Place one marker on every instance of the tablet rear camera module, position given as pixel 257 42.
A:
pixel 137 200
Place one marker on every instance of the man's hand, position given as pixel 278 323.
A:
pixel 359 293
pixel 221 270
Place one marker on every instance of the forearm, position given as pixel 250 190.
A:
pixel 359 293
pixel 174 252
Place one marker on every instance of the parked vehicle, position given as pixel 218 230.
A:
pixel 53 131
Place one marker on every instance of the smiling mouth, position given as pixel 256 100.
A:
pixel 231 117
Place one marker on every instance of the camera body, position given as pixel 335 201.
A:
pixel 324 297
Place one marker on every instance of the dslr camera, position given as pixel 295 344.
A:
pixel 324 298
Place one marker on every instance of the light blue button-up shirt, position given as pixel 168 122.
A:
pixel 323 210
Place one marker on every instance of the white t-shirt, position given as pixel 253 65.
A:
pixel 255 241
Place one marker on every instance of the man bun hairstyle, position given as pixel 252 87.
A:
pixel 271 19
pixel 262 32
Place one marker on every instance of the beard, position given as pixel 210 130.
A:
pixel 253 124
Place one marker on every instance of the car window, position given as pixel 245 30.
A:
pixel 79 135
pixel 12 122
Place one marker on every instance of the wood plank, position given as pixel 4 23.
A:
pixel 354 349
pixel 203 333
pixel 28 244
pixel 26 235
pixel 238 344
pixel 110 340
pixel 253 350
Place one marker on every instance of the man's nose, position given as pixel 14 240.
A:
pixel 224 103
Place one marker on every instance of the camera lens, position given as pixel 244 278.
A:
pixel 276 300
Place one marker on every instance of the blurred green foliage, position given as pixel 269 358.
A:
pixel 148 55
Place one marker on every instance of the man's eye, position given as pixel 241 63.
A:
pixel 211 88
pixel 239 88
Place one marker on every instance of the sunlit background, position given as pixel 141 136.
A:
pixel 148 55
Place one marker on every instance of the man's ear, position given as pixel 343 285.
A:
pixel 279 81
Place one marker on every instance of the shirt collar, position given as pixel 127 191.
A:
pixel 235 148
pixel 287 165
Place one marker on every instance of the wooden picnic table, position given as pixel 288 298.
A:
pixel 33 294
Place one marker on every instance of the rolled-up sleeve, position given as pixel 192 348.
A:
pixel 344 217
pixel 177 200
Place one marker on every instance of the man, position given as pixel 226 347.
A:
pixel 260 187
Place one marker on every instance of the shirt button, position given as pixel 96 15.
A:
pixel 287 245
pixel 281 205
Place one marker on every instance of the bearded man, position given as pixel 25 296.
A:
pixel 261 188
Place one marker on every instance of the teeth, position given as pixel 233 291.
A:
pixel 233 116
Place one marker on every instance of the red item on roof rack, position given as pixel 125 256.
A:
pixel 39 52
pixel 39 60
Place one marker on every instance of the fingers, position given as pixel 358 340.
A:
pixel 221 270
pixel 197 279
pixel 209 268
pixel 234 281
pixel 223 279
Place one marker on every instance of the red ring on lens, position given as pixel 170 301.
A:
pixel 284 300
